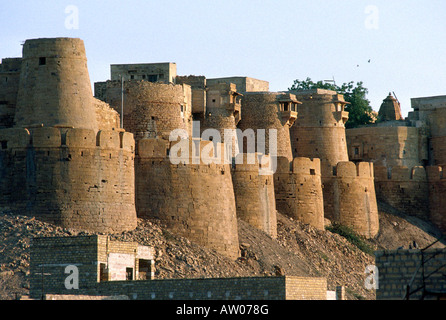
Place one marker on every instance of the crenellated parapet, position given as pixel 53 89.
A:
pixel 75 178
pixel 298 190
pixel 180 183
pixel 352 201
pixel 253 182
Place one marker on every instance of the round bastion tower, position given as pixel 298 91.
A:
pixel 55 87
pixel 319 132
pixel 253 183
pixel 265 111
pixel 151 110
pixel 192 196
pixel 61 163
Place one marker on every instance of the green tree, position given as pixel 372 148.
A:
pixel 359 109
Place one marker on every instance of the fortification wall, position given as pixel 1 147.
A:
pixel 430 114
pixel 55 87
pixel 9 87
pixel 151 109
pixel 106 117
pixel 353 199
pixel 75 178
pixel 194 200
pixel 262 111
pixel 437 200
pixel 298 190
pixel 405 189
pixel 254 192
pixel 438 145
pixel 387 146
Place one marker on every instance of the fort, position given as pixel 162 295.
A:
pixel 99 162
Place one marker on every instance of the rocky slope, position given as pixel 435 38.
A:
pixel 298 250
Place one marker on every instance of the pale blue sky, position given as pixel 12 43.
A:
pixel 277 41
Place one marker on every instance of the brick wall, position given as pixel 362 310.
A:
pixel 397 268
pixel 255 288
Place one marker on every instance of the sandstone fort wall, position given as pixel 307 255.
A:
pixel 75 178
pixel 9 86
pixel 354 197
pixel 195 200
pixel 254 192
pixel 387 146
pixel 405 189
pixel 298 190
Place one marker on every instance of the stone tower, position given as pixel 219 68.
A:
pixel 265 111
pixel 65 160
pixel 55 87
pixel 319 132
pixel 9 86
pixel 151 110
pixel 223 113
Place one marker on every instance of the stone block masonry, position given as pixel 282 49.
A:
pixel 354 197
pixel 151 110
pixel 249 289
pixel 437 200
pixel 387 146
pixel 265 111
pixel 55 87
pixel 253 288
pixel 319 130
pixel 194 199
pixel 298 190
pixel 254 192
pixel 75 178
pixel 405 189
pixel 9 86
